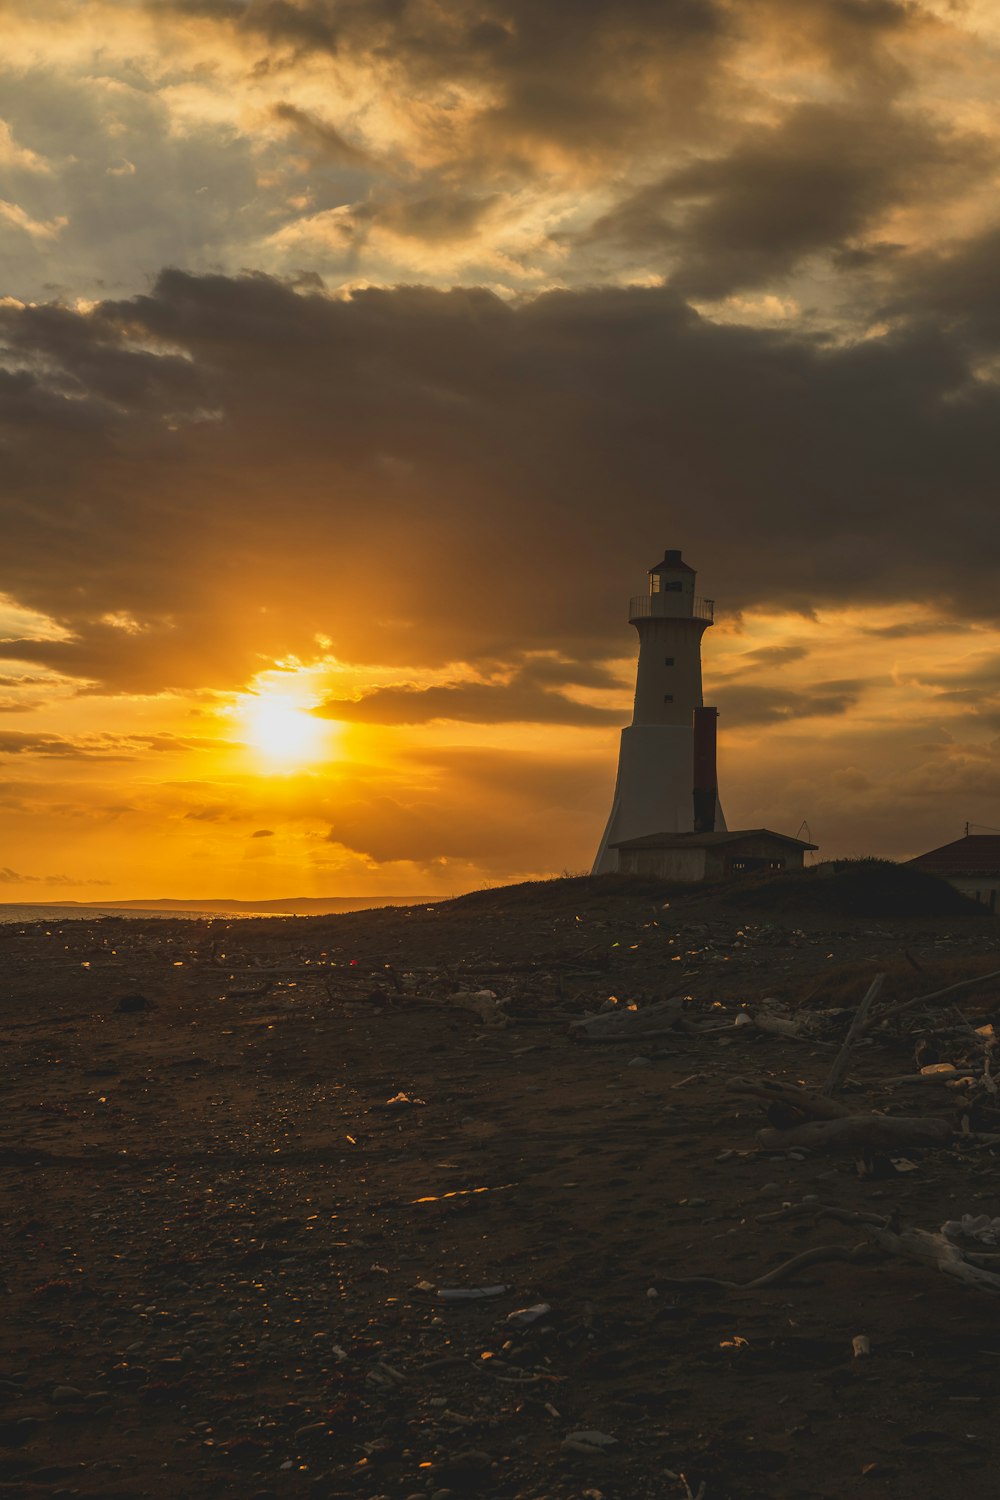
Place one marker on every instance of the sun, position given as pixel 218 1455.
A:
pixel 281 731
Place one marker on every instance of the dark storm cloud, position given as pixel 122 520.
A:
pixel 806 185
pixel 577 73
pixel 957 284
pixel 305 28
pixel 236 467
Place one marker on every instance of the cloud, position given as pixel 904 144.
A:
pixel 12 877
pixel 48 229
pixel 320 135
pixel 529 695
pixel 330 492
pixel 55 746
pixel 824 175
pixel 501 809
pixel 769 705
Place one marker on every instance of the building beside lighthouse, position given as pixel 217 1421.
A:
pixel 666 817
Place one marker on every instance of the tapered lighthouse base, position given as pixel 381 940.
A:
pixel 653 792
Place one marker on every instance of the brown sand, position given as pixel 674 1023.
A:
pixel 223 1252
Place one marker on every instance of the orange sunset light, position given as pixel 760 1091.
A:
pixel 282 733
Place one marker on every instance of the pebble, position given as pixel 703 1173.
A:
pixel 769 1190
pixel 67 1393
pixel 640 1062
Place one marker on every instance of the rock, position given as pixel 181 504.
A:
pixel 129 1004
pixel 594 1444
pixel 640 1062
pixel 66 1394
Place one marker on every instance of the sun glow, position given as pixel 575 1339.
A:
pixel 280 730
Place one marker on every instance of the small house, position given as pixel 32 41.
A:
pixel 971 864
pixel 692 857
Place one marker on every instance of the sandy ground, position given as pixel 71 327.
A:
pixel 225 1249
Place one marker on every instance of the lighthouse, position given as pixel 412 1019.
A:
pixel 667 780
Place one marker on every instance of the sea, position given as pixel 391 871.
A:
pixel 73 913
pixel 306 906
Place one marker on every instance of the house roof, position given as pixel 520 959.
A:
pixel 975 854
pixel 708 840
pixel 672 563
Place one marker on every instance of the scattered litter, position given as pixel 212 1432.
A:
pixel 525 1316
pixel 596 1444
pixel 979 1227
pixel 470 1293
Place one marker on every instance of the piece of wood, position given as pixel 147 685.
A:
pixel 859 1131
pixel 951 989
pixel 773 1025
pixel 775 1277
pixel 854 1032
pixel 934 1250
pixel 624 1025
pixel 772 1091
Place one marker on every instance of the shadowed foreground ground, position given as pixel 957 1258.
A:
pixel 224 1248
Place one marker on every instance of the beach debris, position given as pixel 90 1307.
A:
pixel 401 1100
pixel 682 1479
pixel 482 1003
pixel 787 1103
pixel 595 1444
pixel 861 1346
pixel 525 1316
pixel 625 1024
pixel 470 1293
pixel 978 1227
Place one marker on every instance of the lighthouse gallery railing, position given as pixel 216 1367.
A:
pixel 664 606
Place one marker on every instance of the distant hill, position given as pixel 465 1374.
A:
pixel 291 906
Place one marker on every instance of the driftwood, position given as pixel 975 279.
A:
pixel 855 1131
pixel 770 1091
pixel 936 1251
pixel 623 1025
pixel 774 1025
pixel 951 989
pixel 854 1032
pixel 775 1277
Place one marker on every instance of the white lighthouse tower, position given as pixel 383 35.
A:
pixel 666 766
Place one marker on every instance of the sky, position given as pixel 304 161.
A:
pixel 360 356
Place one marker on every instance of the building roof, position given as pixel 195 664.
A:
pixel 707 840
pixel 672 563
pixel 975 854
